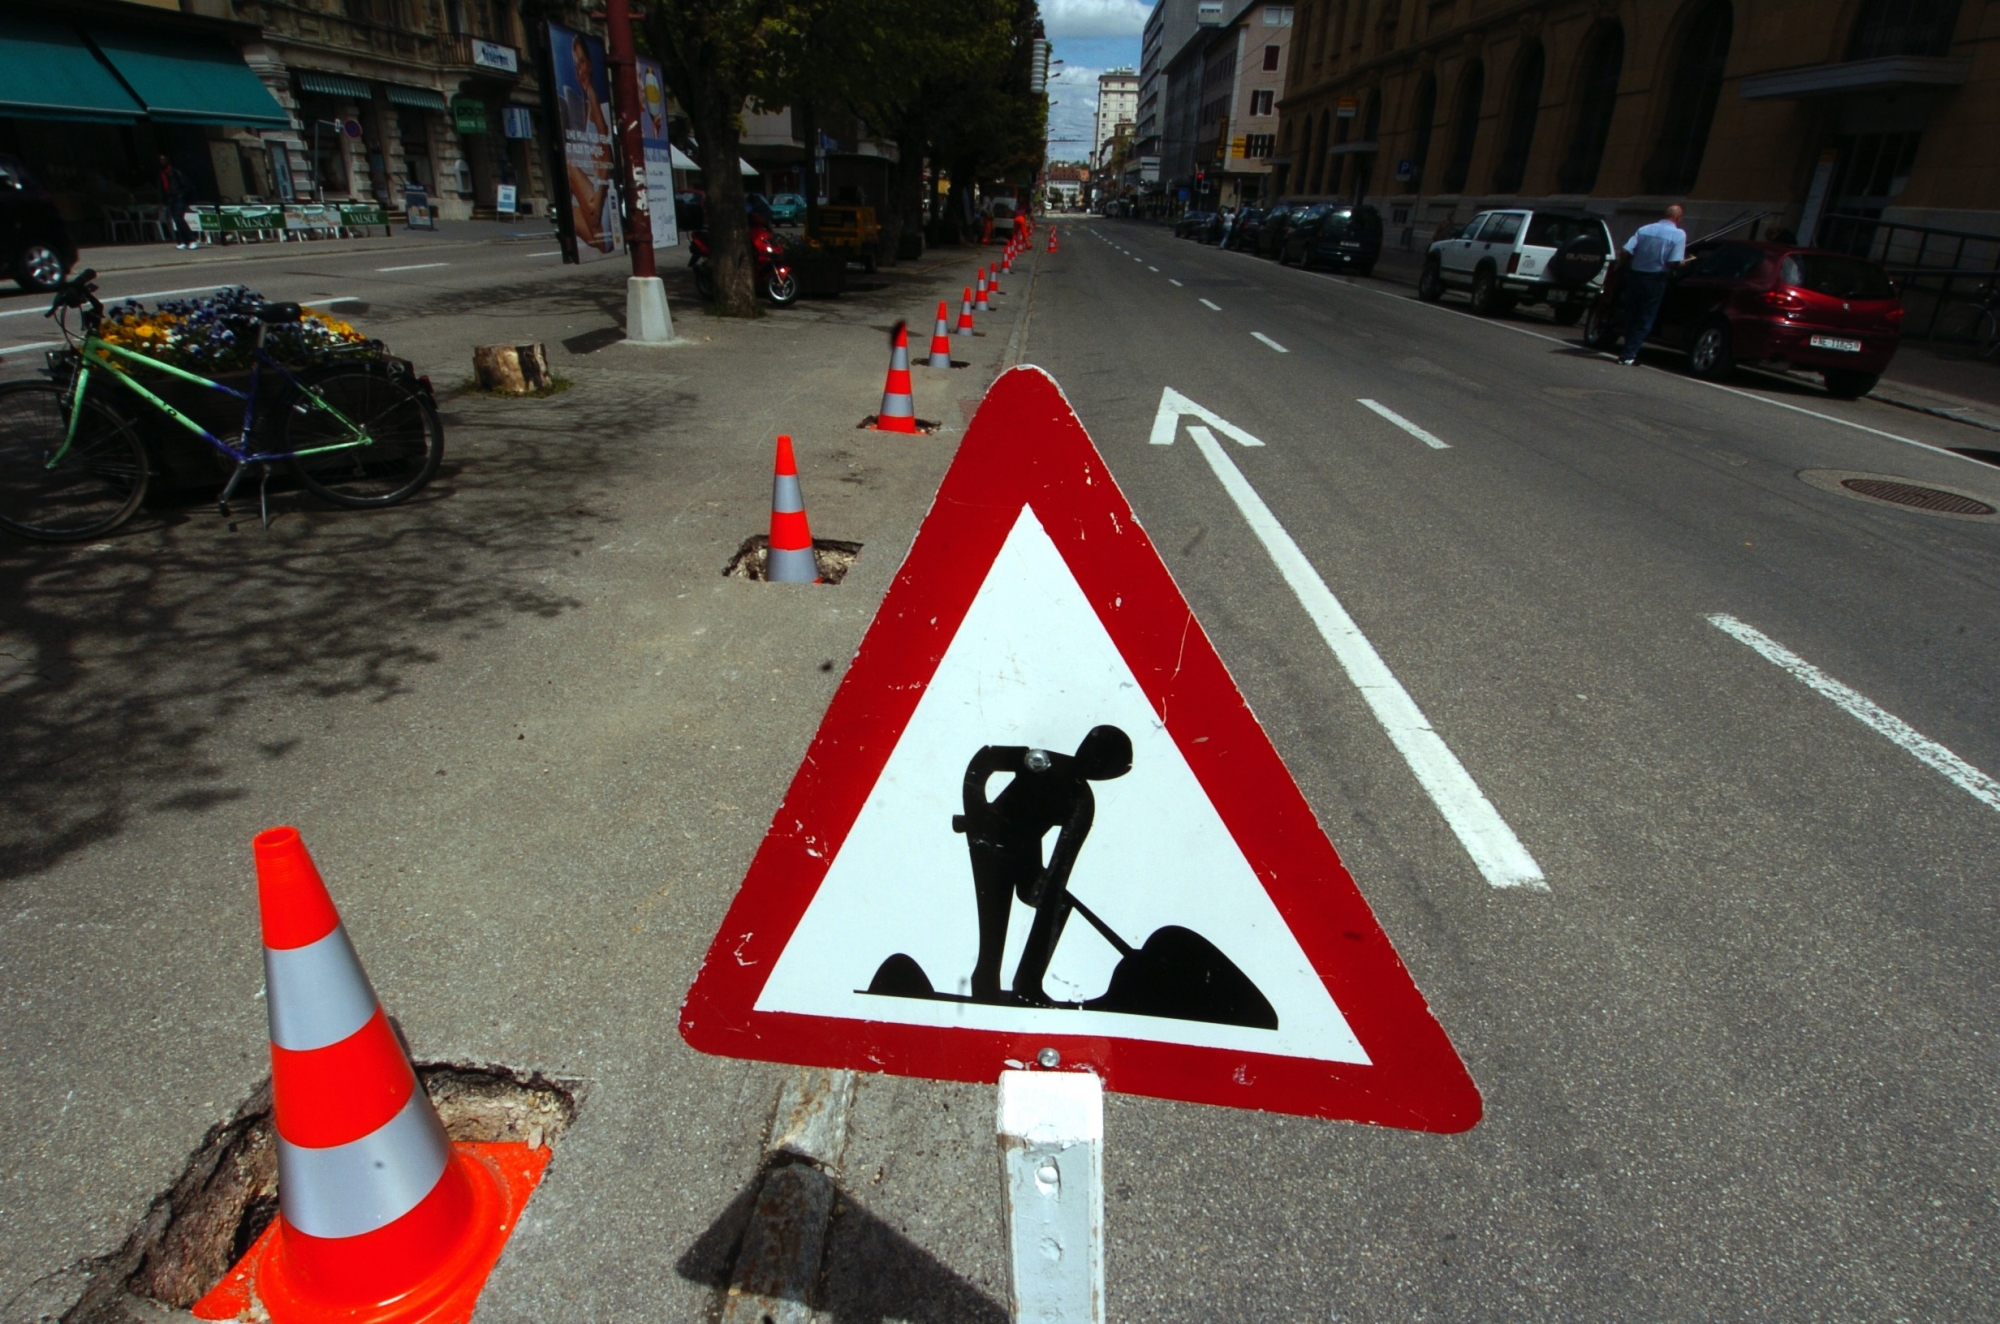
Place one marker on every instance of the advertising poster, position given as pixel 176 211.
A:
pixel 659 152
pixel 583 92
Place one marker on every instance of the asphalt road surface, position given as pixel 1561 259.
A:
pixel 1738 1055
pixel 1701 885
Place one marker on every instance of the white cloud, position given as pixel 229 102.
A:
pixel 1074 114
pixel 1080 20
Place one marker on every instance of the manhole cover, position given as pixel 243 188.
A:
pixel 1923 498
pixel 1887 489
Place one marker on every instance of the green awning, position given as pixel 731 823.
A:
pixel 47 73
pixel 190 80
pixel 332 85
pixel 423 98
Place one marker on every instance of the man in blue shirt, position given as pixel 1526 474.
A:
pixel 1651 256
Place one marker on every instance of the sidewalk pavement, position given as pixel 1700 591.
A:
pixel 108 259
pixel 533 736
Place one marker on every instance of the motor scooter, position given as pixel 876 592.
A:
pixel 776 278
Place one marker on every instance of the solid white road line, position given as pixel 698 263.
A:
pixel 23 349
pixel 1172 281
pixel 1259 335
pixel 1212 307
pixel 553 252
pixel 110 299
pixel 1926 751
pixel 415 266
pixel 1494 848
pixel 328 300
pixel 1429 440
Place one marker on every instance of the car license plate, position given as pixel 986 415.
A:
pixel 1840 343
pixel 1350 243
pixel 1558 296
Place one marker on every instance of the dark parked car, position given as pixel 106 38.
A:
pixel 1243 235
pixel 1335 234
pixel 1741 302
pixel 35 247
pixel 1277 227
pixel 1190 225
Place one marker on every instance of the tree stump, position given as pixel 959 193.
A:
pixel 511 369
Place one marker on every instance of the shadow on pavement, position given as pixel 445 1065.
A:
pixel 870 1273
pixel 123 663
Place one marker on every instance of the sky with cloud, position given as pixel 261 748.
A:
pixel 1089 36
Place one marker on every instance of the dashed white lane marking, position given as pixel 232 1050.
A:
pixel 23 349
pixel 328 300
pixel 1925 750
pixel 414 266
pixel 1150 267
pixel 1435 443
pixel 1212 307
pixel 1259 335
pixel 553 252
pixel 1172 281
pixel 1494 848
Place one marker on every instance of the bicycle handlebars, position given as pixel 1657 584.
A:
pixel 76 292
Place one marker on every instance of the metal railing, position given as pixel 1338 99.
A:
pixel 1935 268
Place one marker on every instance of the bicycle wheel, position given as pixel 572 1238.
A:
pixel 405 439
pixel 1967 331
pixel 55 494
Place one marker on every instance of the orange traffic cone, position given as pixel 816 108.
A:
pixel 993 282
pixel 941 339
pixel 979 304
pixel 380 1217
pixel 790 558
pixel 965 315
pixel 899 408
pixel 1052 238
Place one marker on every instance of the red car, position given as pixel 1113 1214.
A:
pixel 1740 302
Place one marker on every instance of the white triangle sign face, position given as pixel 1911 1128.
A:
pixel 1038 814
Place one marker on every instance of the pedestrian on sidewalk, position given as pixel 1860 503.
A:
pixel 1651 255
pixel 176 190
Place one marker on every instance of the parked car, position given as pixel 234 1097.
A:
pixel 35 245
pixel 1190 225
pixel 1002 212
pixel 1278 223
pixel 1741 302
pixel 1243 235
pixel 1504 258
pixel 788 208
pixel 850 232
pixel 1337 234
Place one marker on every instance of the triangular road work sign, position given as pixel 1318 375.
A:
pixel 1039 815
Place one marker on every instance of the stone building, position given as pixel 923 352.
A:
pixel 1820 114
pixel 1117 103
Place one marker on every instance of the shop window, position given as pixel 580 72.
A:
pixel 1471 91
pixel 1597 99
pixel 1691 96
pixel 1903 27
pixel 1524 109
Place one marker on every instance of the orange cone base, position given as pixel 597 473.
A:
pixel 500 1177
pixel 894 423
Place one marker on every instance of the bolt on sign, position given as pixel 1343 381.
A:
pixel 1040 819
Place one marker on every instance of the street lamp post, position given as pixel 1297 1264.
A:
pixel 647 320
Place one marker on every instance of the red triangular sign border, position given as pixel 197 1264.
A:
pixel 1026 447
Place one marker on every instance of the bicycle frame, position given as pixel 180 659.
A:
pixel 94 346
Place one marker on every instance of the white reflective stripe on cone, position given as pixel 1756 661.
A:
pixel 318 994
pixel 786 498
pixel 898 406
pixel 791 565
pixel 345 1190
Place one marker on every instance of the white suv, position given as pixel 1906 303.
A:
pixel 1508 257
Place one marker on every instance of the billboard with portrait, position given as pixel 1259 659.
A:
pixel 583 95
pixel 659 152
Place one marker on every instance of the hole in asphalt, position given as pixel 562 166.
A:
pixel 833 557
pixel 923 424
pixel 196 1230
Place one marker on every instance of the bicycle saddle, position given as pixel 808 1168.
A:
pixel 277 312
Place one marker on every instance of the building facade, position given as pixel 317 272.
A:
pixel 1803 114
pixel 1117 103
pixel 1168 27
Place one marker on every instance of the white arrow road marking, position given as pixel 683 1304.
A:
pixel 1433 442
pixel 1259 335
pixel 1926 751
pixel 1495 850
pixel 1173 404
pixel 1212 307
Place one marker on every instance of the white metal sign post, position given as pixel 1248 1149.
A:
pixel 1052 1179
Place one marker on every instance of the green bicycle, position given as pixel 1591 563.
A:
pixel 357 433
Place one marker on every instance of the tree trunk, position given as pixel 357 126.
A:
pixel 722 210
pixel 906 196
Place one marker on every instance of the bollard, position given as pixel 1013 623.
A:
pixel 1052 1180
pixel 647 318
